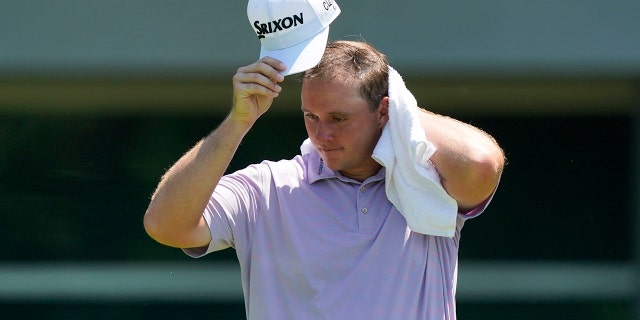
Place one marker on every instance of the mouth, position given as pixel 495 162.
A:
pixel 328 150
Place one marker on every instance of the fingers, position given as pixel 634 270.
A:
pixel 261 77
pixel 254 88
pixel 273 63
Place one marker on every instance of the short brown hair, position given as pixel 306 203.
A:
pixel 357 62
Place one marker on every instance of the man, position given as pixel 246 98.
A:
pixel 316 236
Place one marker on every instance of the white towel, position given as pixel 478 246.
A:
pixel 411 181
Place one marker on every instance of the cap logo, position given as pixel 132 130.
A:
pixel 294 32
pixel 327 4
pixel 263 29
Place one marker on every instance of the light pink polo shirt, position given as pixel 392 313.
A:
pixel 313 244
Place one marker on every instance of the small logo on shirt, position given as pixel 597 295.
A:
pixel 321 166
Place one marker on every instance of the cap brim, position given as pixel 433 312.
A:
pixel 302 56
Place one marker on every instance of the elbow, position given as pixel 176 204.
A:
pixel 487 167
pixel 486 172
pixel 479 179
pixel 171 229
pixel 155 225
pixel 490 165
pixel 151 225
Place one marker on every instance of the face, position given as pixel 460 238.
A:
pixel 342 127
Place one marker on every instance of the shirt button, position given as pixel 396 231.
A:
pixel 364 210
pixel 362 189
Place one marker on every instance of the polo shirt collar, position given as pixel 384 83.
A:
pixel 317 170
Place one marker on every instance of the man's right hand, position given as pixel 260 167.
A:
pixel 254 88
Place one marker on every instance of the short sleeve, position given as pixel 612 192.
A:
pixel 233 209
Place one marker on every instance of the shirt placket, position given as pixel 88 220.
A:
pixel 366 216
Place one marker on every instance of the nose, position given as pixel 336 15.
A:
pixel 324 131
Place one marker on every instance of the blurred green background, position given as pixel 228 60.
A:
pixel 98 99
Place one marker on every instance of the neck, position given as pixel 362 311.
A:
pixel 364 173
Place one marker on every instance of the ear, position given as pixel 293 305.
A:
pixel 383 110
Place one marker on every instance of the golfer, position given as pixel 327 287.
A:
pixel 365 222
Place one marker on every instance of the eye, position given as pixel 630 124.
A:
pixel 311 116
pixel 337 119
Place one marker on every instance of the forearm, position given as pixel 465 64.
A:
pixel 176 207
pixel 468 160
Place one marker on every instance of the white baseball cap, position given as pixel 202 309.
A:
pixel 292 31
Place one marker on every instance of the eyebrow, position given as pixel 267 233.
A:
pixel 333 113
